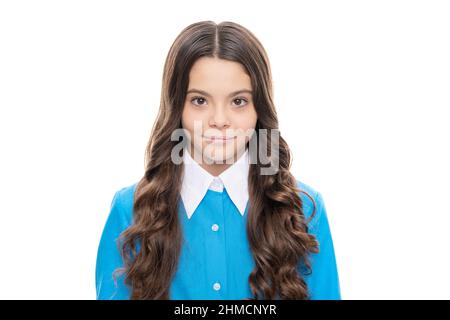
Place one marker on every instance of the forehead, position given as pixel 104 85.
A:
pixel 218 75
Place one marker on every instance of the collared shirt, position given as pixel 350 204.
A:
pixel 215 259
pixel 197 181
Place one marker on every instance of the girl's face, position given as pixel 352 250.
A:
pixel 218 111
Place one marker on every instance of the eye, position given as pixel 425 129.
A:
pixel 198 101
pixel 240 102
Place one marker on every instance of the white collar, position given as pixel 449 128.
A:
pixel 197 181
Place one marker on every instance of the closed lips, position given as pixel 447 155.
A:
pixel 220 138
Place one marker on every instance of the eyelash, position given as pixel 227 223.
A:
pixel 239 98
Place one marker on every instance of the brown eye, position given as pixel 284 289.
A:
pixel 240 102
pixel 198 101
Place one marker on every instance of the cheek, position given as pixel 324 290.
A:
pixel 246 120
pixel 188 117
pixel 184 120
pixel 191 117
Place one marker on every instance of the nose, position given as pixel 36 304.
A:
pixel 219 118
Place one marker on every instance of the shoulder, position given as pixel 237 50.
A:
pixel 125 196
pixel 312 201
pixel 122 203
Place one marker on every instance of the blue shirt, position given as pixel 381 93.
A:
pixel 215 259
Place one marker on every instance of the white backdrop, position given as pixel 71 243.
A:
pixel 362 90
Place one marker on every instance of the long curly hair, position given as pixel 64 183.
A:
pixel 277 230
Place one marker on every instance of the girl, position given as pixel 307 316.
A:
pixel 209 220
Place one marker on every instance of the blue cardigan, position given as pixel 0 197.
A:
pixel 215 259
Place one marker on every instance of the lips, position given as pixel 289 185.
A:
pixel 219 138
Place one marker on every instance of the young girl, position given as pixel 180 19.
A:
pixel 209 219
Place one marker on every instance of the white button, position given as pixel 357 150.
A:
pixel 216 286
pixel 215 227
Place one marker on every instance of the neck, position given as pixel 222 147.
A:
pixel 215 169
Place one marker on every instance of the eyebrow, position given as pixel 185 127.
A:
pixel 230 95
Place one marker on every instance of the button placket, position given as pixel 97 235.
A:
pixel 217 273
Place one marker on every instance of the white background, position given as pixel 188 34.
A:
pixel 362 93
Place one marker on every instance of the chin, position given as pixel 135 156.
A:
pixel 219 155
pixel 219 158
